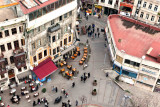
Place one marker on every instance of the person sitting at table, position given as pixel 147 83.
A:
pixel 34 103
pixel 18 97
pixel 22 93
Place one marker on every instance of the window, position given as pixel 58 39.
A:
pixel 50 51
pixel 9 46
pixel 39 42
pixel 2 76
pixel 34 58
pixel 127 61
pixel 6 33
pixel 49 38
pixel 57 49
pixel 65 41
pixel 139 1
pixel 56 5
pixel 12 59
pixel 144 4
pixel 16 44
pixel 14 31
pixel 49 8
pixel 141 14
pixel 39 12
pixel 119 59
pixel 65 29
pixel 44 10
pixel 0 34
pixel 60 2
pixel 19 69
pixel 20 28
pixel 52 6
pixel 67 1
pixel 110 2
pixel 33 45
pixel 45 52
pixel 147 16
pixel 70 13
pixel 65 15
pixel 52 22
pixel 53 39
pixel 70 25
pixel 60 18
pixel 25 68
pixel 6 61
pixel 54 51
pixel 61 43
pixel 22 42
pixel 69 38
pixel 31 16
pixel 2 48
pixel 102 1
pixel 155 8
pixel 39 29
pixel 152 18
pixel 40 55
pixel 159 19
pixel 150 6
pixel 64 2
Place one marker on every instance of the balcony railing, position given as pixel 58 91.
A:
pixel 19 52
pixel 54 28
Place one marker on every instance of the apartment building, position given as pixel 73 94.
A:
pixel 34 35
pixel 147 11
pixel 134 51
pixel 13 64
pixel 108 6
pixel 49 31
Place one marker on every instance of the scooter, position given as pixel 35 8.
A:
pixel 58 99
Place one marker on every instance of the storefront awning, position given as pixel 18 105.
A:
pixel 45 68
pixel 129 69
pixel 23 74
pixel 68 49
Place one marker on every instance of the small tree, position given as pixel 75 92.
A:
pixel 43 90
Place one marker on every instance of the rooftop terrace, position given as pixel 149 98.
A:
pixel 134 37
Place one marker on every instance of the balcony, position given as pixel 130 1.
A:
pixel 18 53
pixel 54 28
pixel 20 64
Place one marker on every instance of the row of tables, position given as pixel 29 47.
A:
pixel 84 56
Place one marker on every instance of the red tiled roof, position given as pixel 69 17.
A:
pixel 45 68
pixel 39 5
pixel 134 42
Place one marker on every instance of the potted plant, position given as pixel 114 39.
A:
pixel 94 82
pixel 43 90
pixel 94 92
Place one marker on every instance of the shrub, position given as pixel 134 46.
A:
pixel 44 90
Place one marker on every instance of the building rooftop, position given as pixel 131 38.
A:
pixel 29 6
pixel 135 38
pixel 6 12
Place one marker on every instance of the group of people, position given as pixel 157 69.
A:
pixel 64 92
pixel 55 89
pixel 91 31
pixel 40 101
pixel 85 76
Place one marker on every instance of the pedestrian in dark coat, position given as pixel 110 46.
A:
pixel 76 103
pixel 85 78
pixel 82 78
pixel 97 29
pixel 88 75
pixel 98 34
pixel 95 35
pixel 73 84
pixel 64 92
pixel 39 101
pixel 56 89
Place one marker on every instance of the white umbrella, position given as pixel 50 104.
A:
pixel 77 23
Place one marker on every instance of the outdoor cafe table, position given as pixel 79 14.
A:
pixel 85 48
pixel 85 51
pixel 23 88
pixel 12 91
pixel 64 62
pixel 26 92
pixel 61 64
pixel 75 55
pixel 74 69
pixel 80 62
pixel 84 54
pixel 82 59
pixel 31 84
pixel 62 70
pixel 69 66
pixel 1 104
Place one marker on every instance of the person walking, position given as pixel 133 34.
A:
pixel 76 103
pixel 95 35
pixel 98 34
pixel 38 101
pixel 62 90
pixel 85 78
pixel 53 88
pixel 56 89
pixel 73 84
pixel 88 75
pixel 1 89
pixel 82 78
pixel 66 95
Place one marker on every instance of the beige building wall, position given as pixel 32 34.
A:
pixel 148 11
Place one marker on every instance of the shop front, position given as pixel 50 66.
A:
pixel 109 11
pixel 24 76
pixel 44 70
pixel 87 6
pixel 117 67
pixel 67 53
pixel 130 72
pixel 126 9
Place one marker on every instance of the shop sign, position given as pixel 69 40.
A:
pixel 148 71
pixel 99 7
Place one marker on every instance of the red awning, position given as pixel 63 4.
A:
pixel 45 68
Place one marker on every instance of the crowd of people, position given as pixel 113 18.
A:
pixel 40 101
